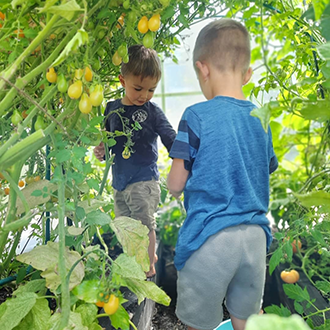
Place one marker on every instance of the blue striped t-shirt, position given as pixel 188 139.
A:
pixel 229 157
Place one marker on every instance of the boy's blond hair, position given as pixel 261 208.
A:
pixel 143 62
pixel 224 43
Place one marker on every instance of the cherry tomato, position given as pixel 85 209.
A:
pixel 148 40
pixel 143 25
pixel 290 277
pixel 165 3
pixel 75 90
pixel 294 245
pixel 116 59
pixel 101 34
pixel 62 84
pixel 85 105
pixel 132 16
pixel 2 16
pixel 96 96
pixel 126 4
pixel 29 179
pixel 37 178
pixel 51 75
pixel 126 58
pixel 122 50
pixel 1 176
pixel 88 74
pixel 39 124
pixel 21 183
pixel 79 73
pixel 99 303
pixel 154 23
pixel 112 305
pixel 16 118
pixel 6 190
pixel 126 153
pixel 96 65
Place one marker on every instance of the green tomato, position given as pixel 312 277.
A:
pixel 126 58
pixel 165 3
pixel 101 34
pixel 39 124
pixel 62 84
pixel 122 50
pixel 16 118
pixel 96 64
pixel 148 40
pixel 132 16
pixel 126 4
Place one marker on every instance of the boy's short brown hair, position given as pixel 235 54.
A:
pixel 142 62
pixel 225 43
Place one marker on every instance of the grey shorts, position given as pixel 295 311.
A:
pixel 230 264
pixel 139 201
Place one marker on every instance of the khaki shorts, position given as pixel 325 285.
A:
pixel 230 264
pixel 138 201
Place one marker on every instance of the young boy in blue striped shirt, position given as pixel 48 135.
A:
pixel 222 159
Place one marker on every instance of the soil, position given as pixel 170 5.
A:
pixel 5 293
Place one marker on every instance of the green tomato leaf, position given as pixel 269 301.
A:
pixel 324 51
pixel 98 218
pixel 275 260
pixel 13 310
pixel 80 38
pixel 133 236
pixel 66 10
pixel 31 286
pixel 127 266
pixel 146 289
pixel 75 322
pixel 278 310
pixel 120 320
pixel 263 114
pixel 88 313
pixel 315 198
pixel 38 318
pixel 294 291
pixel 318 111
pixel 275 322
pixel 45 258
pixel 88 291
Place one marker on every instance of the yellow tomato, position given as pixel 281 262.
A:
pixel 290 277
pixel 88 74
pixel 143 25
pixel 112 305
pixel 116 59
pixel 85 105
pixel 154 23
pixel 75 90
pixel 51 75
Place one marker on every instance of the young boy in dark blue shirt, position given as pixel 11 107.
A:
pixel 135 174
pixel 222 161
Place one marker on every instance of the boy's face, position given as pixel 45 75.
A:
pixel 137 92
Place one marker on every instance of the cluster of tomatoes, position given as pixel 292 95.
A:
pixel 110 303
pixel 147 27
pixel 21 183
pixel 89 97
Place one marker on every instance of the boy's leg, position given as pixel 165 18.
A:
pixel 152 253
pixel 120 206
pixel 142 199
pixel 237 323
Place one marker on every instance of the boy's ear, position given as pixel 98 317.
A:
pixel 203 70
pixel 247 76
pixel 122 80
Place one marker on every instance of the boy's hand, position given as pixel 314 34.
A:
pixel 99 152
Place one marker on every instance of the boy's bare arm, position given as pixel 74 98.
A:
pixel 99 152
pixel 177 178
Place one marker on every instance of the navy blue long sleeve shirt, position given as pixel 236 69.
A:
pixel 142 164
